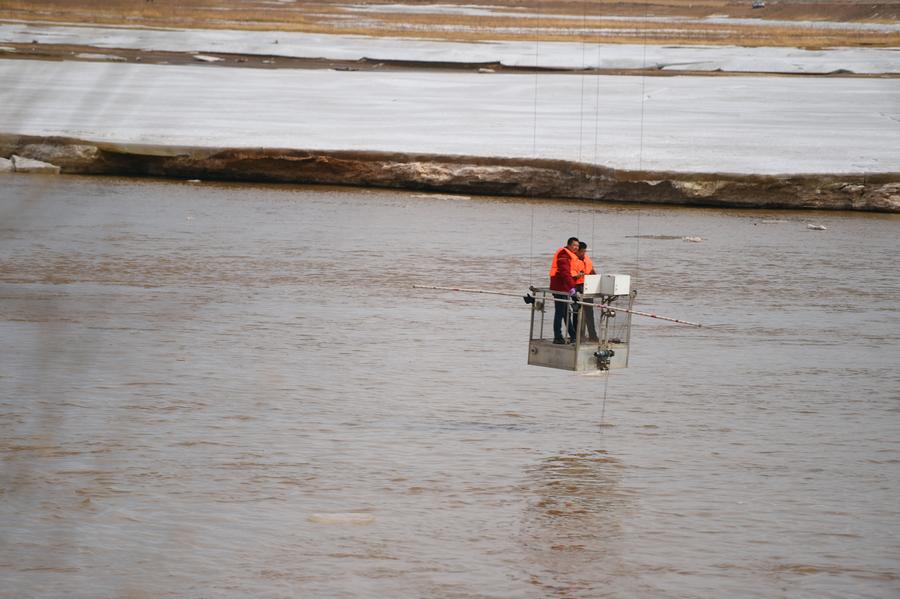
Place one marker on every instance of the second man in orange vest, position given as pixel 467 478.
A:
pixel 586 267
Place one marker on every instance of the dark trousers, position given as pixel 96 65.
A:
pixel 560 313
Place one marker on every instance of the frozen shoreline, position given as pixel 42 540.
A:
pixel 559 55
pixel 733 141
pixel 746 125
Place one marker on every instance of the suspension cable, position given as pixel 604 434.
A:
pixel 537 66
pixel 566 300
pixel 637 255
pixel 531 249
pixel 605 390
pixel 596 160
pixel 537 61
pixel 583 75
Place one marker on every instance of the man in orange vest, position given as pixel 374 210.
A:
pixel 562 279
pixel 586 267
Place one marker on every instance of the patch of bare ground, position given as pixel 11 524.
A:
pixel 554 20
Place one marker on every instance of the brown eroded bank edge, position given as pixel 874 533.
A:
pixel 526 177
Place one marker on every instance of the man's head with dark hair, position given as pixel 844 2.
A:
pixel 582 250
pixel 572 244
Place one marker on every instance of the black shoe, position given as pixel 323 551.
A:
pixel 559 341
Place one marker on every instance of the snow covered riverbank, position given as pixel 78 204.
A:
pixel 749 125
pixel 561 55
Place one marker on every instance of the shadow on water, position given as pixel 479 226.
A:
pixel 573 521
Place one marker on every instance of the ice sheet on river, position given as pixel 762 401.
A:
pixel 723 124
pixel 571 55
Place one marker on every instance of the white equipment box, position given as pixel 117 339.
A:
pixel 592 284
pixel 612 284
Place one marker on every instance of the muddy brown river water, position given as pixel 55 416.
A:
pixel 197 380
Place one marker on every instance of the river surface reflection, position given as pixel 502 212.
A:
pixel 197 381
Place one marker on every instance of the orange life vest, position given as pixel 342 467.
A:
pixel 574 262
pixel 586 266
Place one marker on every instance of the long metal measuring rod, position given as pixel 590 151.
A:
pixel 562 301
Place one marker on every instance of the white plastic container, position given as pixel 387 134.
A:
pixel 592 283
pixel 613 284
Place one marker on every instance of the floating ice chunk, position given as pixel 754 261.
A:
pixel 441 196
pixel 485 70
pixel 194 181
pixel 658 237
pixel 93 56
pixel 813 227
pixel 692 239
pixel 6 165
pixel 205 58
pixel 27 165
pixel 344 518
pixel 7 49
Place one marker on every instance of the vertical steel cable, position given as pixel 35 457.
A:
pixel 581 104
pixel 605 390
pixel 537 60
pixel 596 160
pixel 637 237
pixel 583 75
pixel 531 250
